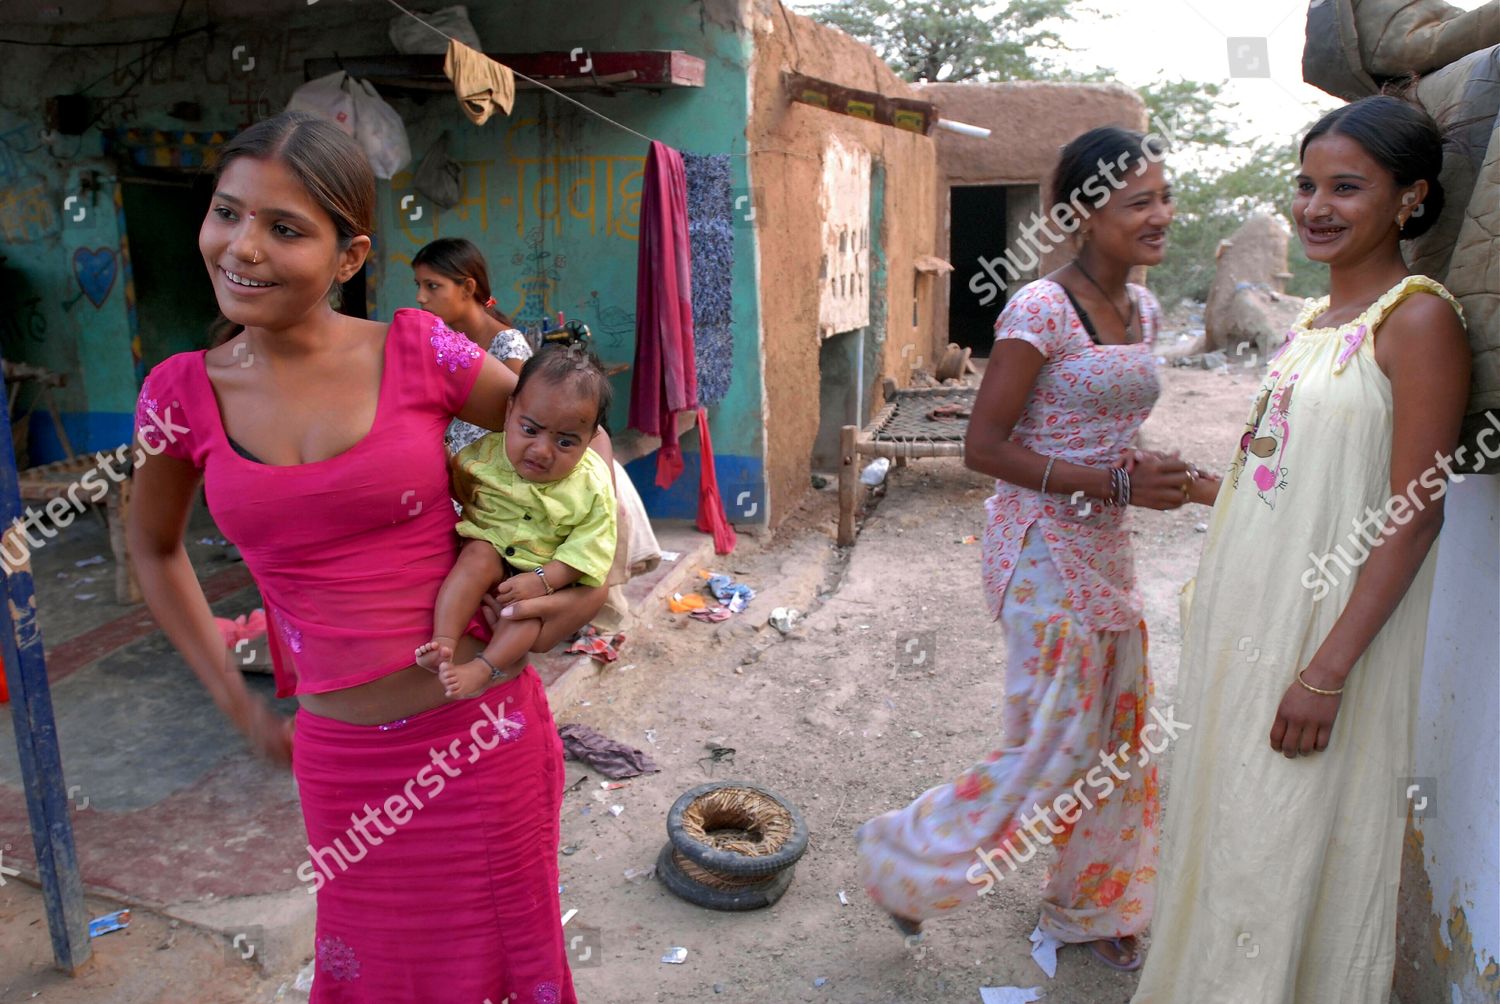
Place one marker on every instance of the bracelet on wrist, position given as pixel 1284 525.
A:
pixel 543 576
pixel 1317 690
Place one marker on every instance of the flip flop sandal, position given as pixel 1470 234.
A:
pixel 1135 962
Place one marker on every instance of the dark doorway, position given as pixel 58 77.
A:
pixel 984 221
pixel 174 299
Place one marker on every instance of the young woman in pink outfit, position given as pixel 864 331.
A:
pixel 432 824
pixel 1070 381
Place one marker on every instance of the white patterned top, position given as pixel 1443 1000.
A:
pixel 508 344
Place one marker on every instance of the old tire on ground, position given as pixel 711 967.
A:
pixel 670 869
pixel 737 829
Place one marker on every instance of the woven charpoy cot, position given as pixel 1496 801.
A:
pixel 903 429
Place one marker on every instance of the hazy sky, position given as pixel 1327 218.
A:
pixel 1145 39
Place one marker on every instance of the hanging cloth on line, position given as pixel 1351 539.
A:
pixel 483 86
pixel 664 379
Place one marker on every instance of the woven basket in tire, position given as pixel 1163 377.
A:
pixel 734 829
pixel 688 882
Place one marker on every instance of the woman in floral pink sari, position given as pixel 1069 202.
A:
pixel 1071 379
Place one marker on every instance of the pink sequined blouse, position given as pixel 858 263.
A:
pixel 1085 408
pixel 348 552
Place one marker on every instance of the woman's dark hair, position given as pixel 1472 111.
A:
pixel 1080 180
pixel 328 163
pixel 456 259
pixel 574 367
pixel 1402 138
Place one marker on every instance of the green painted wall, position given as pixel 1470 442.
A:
pixel 551 193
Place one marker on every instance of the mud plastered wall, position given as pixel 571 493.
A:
pixel 787 143
pixel 1029 123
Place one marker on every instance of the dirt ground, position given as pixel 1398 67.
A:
pixel 835 716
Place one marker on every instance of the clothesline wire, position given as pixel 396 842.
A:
pixel 537 83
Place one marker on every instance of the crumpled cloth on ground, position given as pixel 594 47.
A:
pixel 245 627
pixel 712 615
pixel 604 647
pixel 681 603
pixel 483 86
pixel 614 760
pixel 734 595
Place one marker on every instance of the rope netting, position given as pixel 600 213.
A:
pixel 936 418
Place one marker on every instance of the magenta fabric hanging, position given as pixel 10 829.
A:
pixel 664 379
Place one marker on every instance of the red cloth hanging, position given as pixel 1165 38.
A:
pixel 711 516
pixel 664 379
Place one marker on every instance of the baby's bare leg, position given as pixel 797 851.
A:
pixel 506 651
pixel 477 570
pixel 512 642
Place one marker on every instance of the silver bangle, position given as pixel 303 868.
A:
pixel 1047 473
pixel 495 672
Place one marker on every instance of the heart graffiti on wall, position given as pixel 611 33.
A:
pixel 95 270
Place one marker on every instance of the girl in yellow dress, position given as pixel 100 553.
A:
pixel 1303 646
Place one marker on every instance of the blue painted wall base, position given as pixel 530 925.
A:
pixel 742 485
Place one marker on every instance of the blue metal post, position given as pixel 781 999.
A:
pixel 36 729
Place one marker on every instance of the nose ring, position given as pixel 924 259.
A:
pixel 256 259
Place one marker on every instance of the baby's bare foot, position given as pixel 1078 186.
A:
pixel 465 680
pixel 432 655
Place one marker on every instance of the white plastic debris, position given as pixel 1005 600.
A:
pixel 784 619
pixel 670 555
pixel 1044 951
pixel 636 876
pixel 84 596
pixel 97 559
pixel 675 956
pixel 844 900
pixel 875 471
pixel 615 810
pixel 651 736
pixel 1009 995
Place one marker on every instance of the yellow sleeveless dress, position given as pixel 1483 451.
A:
pixel 1278 877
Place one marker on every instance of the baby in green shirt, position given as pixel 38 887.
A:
pixel 538 512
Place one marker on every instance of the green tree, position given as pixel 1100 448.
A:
pixel 953 40
pixel 1196 111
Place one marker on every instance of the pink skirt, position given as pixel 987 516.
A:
pixel 432 848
